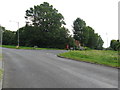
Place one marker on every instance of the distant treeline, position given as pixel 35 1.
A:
pixel 45 27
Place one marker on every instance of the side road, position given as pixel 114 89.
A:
pixel 43 69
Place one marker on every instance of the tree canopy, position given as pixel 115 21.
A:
pixel 115 45
pixel 86 35
pixel 9 37
pixel 45 27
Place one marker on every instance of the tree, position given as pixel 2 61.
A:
pixel 44 28
pixel 1 32
pixel 100 43
pixel 91 40
pixel 115 44
pixel 86 35
pixel 94 41
pixel 45 16
pixel 9 37
pixel 78 30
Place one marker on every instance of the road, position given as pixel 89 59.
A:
pixel 43 69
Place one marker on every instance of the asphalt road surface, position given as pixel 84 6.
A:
pixel 43 69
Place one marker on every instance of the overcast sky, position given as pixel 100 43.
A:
pixel 101 15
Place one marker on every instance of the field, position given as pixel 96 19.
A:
pixel 104 57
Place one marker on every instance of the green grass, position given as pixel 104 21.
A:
pixel 0 56
pixel 109 57
pixel 22 47
pixel 1 71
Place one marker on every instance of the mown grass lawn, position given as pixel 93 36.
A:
pixel 23 47
pixel 105 57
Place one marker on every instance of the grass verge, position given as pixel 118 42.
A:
pixel 108 58
pixel 1 71
pixel 0 57
pixel 22 47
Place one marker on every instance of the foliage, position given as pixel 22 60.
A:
pixel 78 26
pixel 44 28
pixel 115 45
pixel 9 37
pixel 1 33
pixel 34 36
pixel 45 16
pixel 86 35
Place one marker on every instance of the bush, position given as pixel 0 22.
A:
pixel 87 48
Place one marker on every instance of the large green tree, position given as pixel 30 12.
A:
pixel 86 35
pixel 78 30
pixel 44 28
pixel 45 16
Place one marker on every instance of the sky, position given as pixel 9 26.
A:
pixel 101 15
